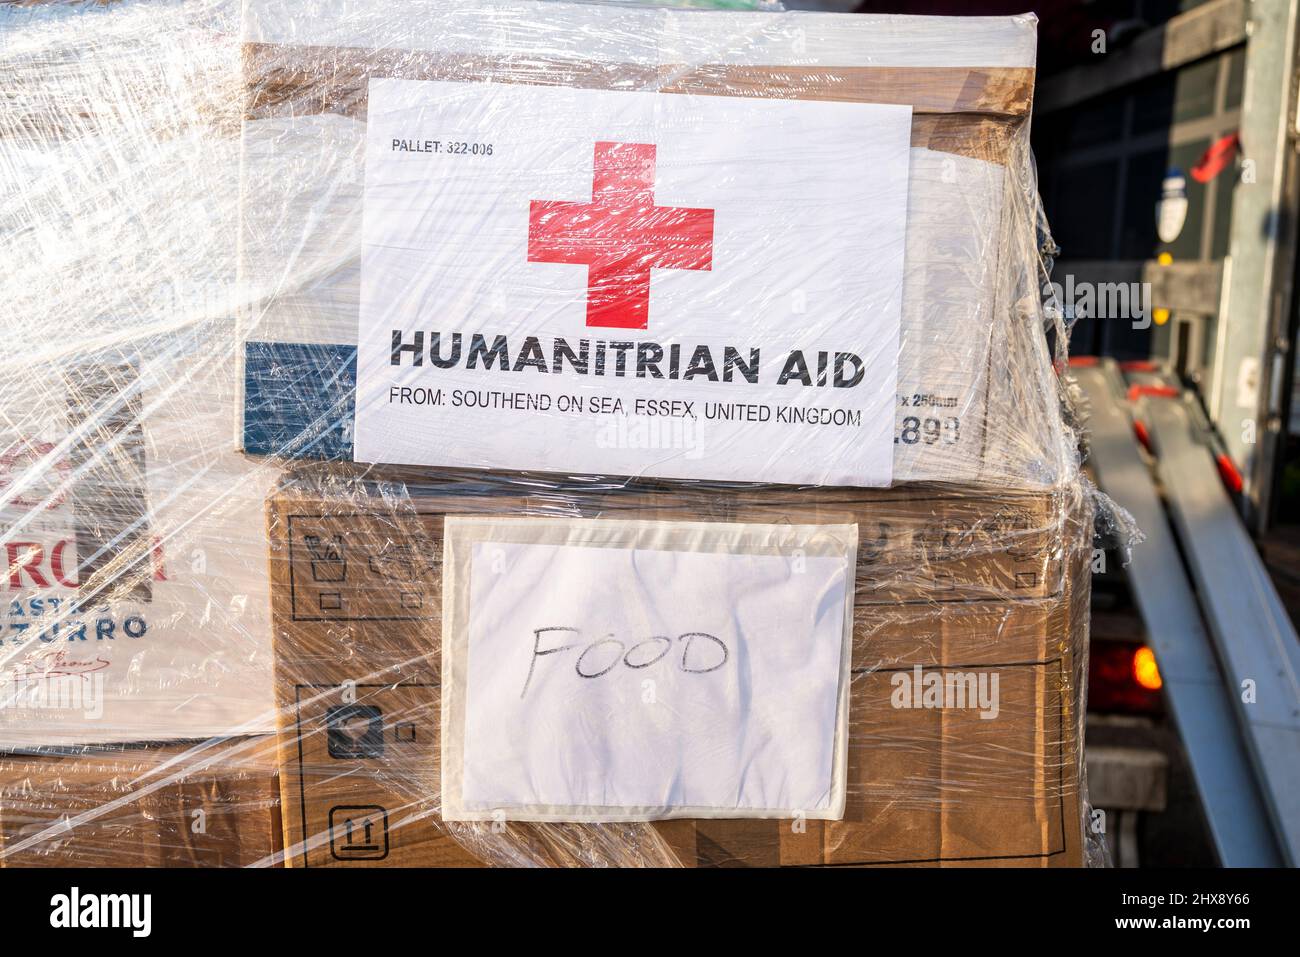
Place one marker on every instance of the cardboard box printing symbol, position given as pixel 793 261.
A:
pixel 359 832
pixel 355 731
pixel 328 558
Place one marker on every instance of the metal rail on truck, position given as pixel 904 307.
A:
pixel 1200 701
pixel 1244 749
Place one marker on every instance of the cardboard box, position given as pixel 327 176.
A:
pixel 972 371
pixel 356 605
pixel 359 777
pixel 944 786
pixel 916 543
pixel 201 804
pixel 360 786
pixel 133 582
pixel 923 63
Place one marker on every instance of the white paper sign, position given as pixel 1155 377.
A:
pixel 620 670
pixel 631 283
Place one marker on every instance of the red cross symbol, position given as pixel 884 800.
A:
pixel 620 235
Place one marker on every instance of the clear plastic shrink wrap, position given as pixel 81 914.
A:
pixel 531 433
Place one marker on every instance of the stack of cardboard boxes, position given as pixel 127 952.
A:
pixel 135 658
pixel 955 728
pixel 970 574
pixel 135 698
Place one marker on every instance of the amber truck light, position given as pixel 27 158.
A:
pixel 1145 670
pixel 1122 677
